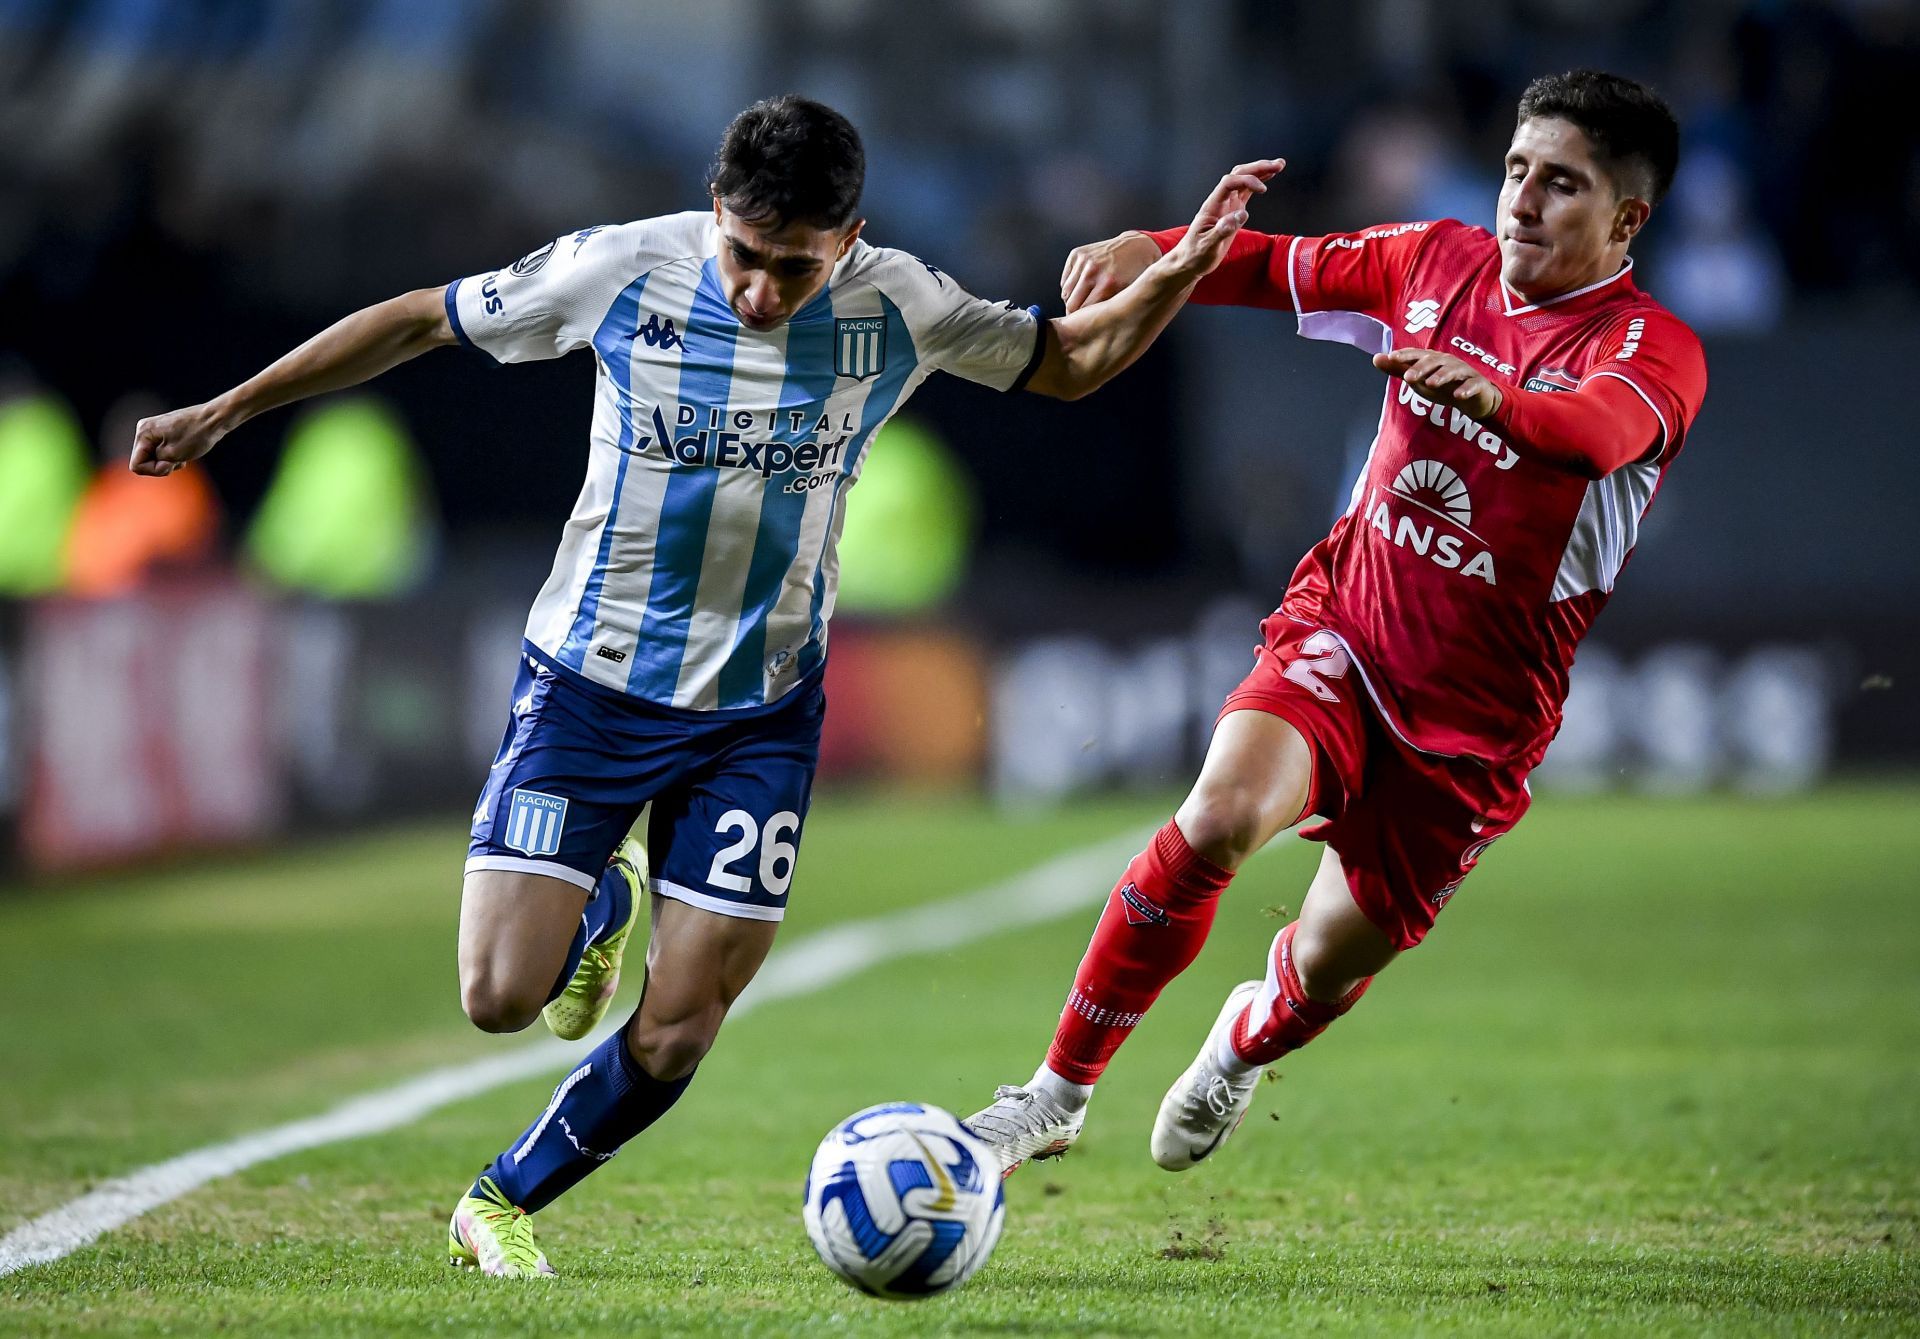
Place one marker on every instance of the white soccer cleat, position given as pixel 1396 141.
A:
pixel 1205 1104
pixel 1023 1123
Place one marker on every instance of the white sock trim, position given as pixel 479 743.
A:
pixel 1228 1060
pixel 1062 1092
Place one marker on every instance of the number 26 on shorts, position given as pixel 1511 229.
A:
pixel 1324 658
pixel 776 854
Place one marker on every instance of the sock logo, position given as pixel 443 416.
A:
pixel 579 1147
pixel 1139 910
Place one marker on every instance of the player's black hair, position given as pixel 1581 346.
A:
pixel 1632 128
pixel 790 159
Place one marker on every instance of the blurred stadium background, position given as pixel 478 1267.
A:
pixel 1661 1074
pixel 1040 600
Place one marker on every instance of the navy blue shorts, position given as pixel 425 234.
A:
pixel 579 762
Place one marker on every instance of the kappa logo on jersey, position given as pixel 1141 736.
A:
pixel 859 346
pixel 1553 379
pixel 658 334
pixel 1423 314
pixel 1433 487
pixel 535 822
pixel 1140 911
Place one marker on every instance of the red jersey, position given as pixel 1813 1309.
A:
pixel 1465 572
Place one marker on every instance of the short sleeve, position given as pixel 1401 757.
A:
pixel 992 343
pixel 995 344
pixel 1656 354
pixel 547 303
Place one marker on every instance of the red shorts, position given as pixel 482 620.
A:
pixel 1407 825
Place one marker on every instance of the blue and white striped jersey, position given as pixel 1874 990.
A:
pixel 698 567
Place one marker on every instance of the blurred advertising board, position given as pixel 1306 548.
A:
pixel 144 725
pixel 1670 711
pixel 905 703
pixel 207 716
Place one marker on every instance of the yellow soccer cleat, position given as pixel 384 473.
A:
pixel 492 1236
pixel 578 1009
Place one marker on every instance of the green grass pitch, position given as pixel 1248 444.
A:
pixel 1657 1070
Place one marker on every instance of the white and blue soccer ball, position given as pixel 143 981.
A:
pixel 903 1202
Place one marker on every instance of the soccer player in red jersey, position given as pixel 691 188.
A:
pixel 1414 672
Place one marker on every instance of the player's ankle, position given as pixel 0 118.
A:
pixel 1229 1061
pixel 1062 1092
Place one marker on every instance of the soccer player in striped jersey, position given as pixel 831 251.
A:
pixel 747 355
pixel 1414 672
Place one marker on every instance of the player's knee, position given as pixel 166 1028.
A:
pixel 1225 824
pixel 495 1006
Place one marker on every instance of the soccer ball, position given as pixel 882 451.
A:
pixel 903 1202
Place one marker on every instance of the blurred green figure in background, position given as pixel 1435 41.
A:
pixel 348 515
pixel 44 469
pixel 906 540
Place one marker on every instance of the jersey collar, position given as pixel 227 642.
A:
pixel 1508 297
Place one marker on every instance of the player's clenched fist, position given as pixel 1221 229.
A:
pixel 165 442
pixel 1441 376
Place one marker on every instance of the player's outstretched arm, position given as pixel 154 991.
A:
pixel 354 349
pixel 1089 347
pixel 1590 432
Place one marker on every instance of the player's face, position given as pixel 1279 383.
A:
pixel 770 273
pixel 1562 222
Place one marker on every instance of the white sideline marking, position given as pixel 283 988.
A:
pixel 1065 883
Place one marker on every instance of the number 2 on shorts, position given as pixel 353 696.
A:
pixel 1324 656
pixel 774 852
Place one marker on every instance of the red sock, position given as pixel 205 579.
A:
pixel 1154 924
pixel 1281 1019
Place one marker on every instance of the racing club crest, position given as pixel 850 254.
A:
pixel 535 822
pixel 859 346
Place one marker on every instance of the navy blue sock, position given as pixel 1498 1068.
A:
pixel 605 1101
pixel 611 903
